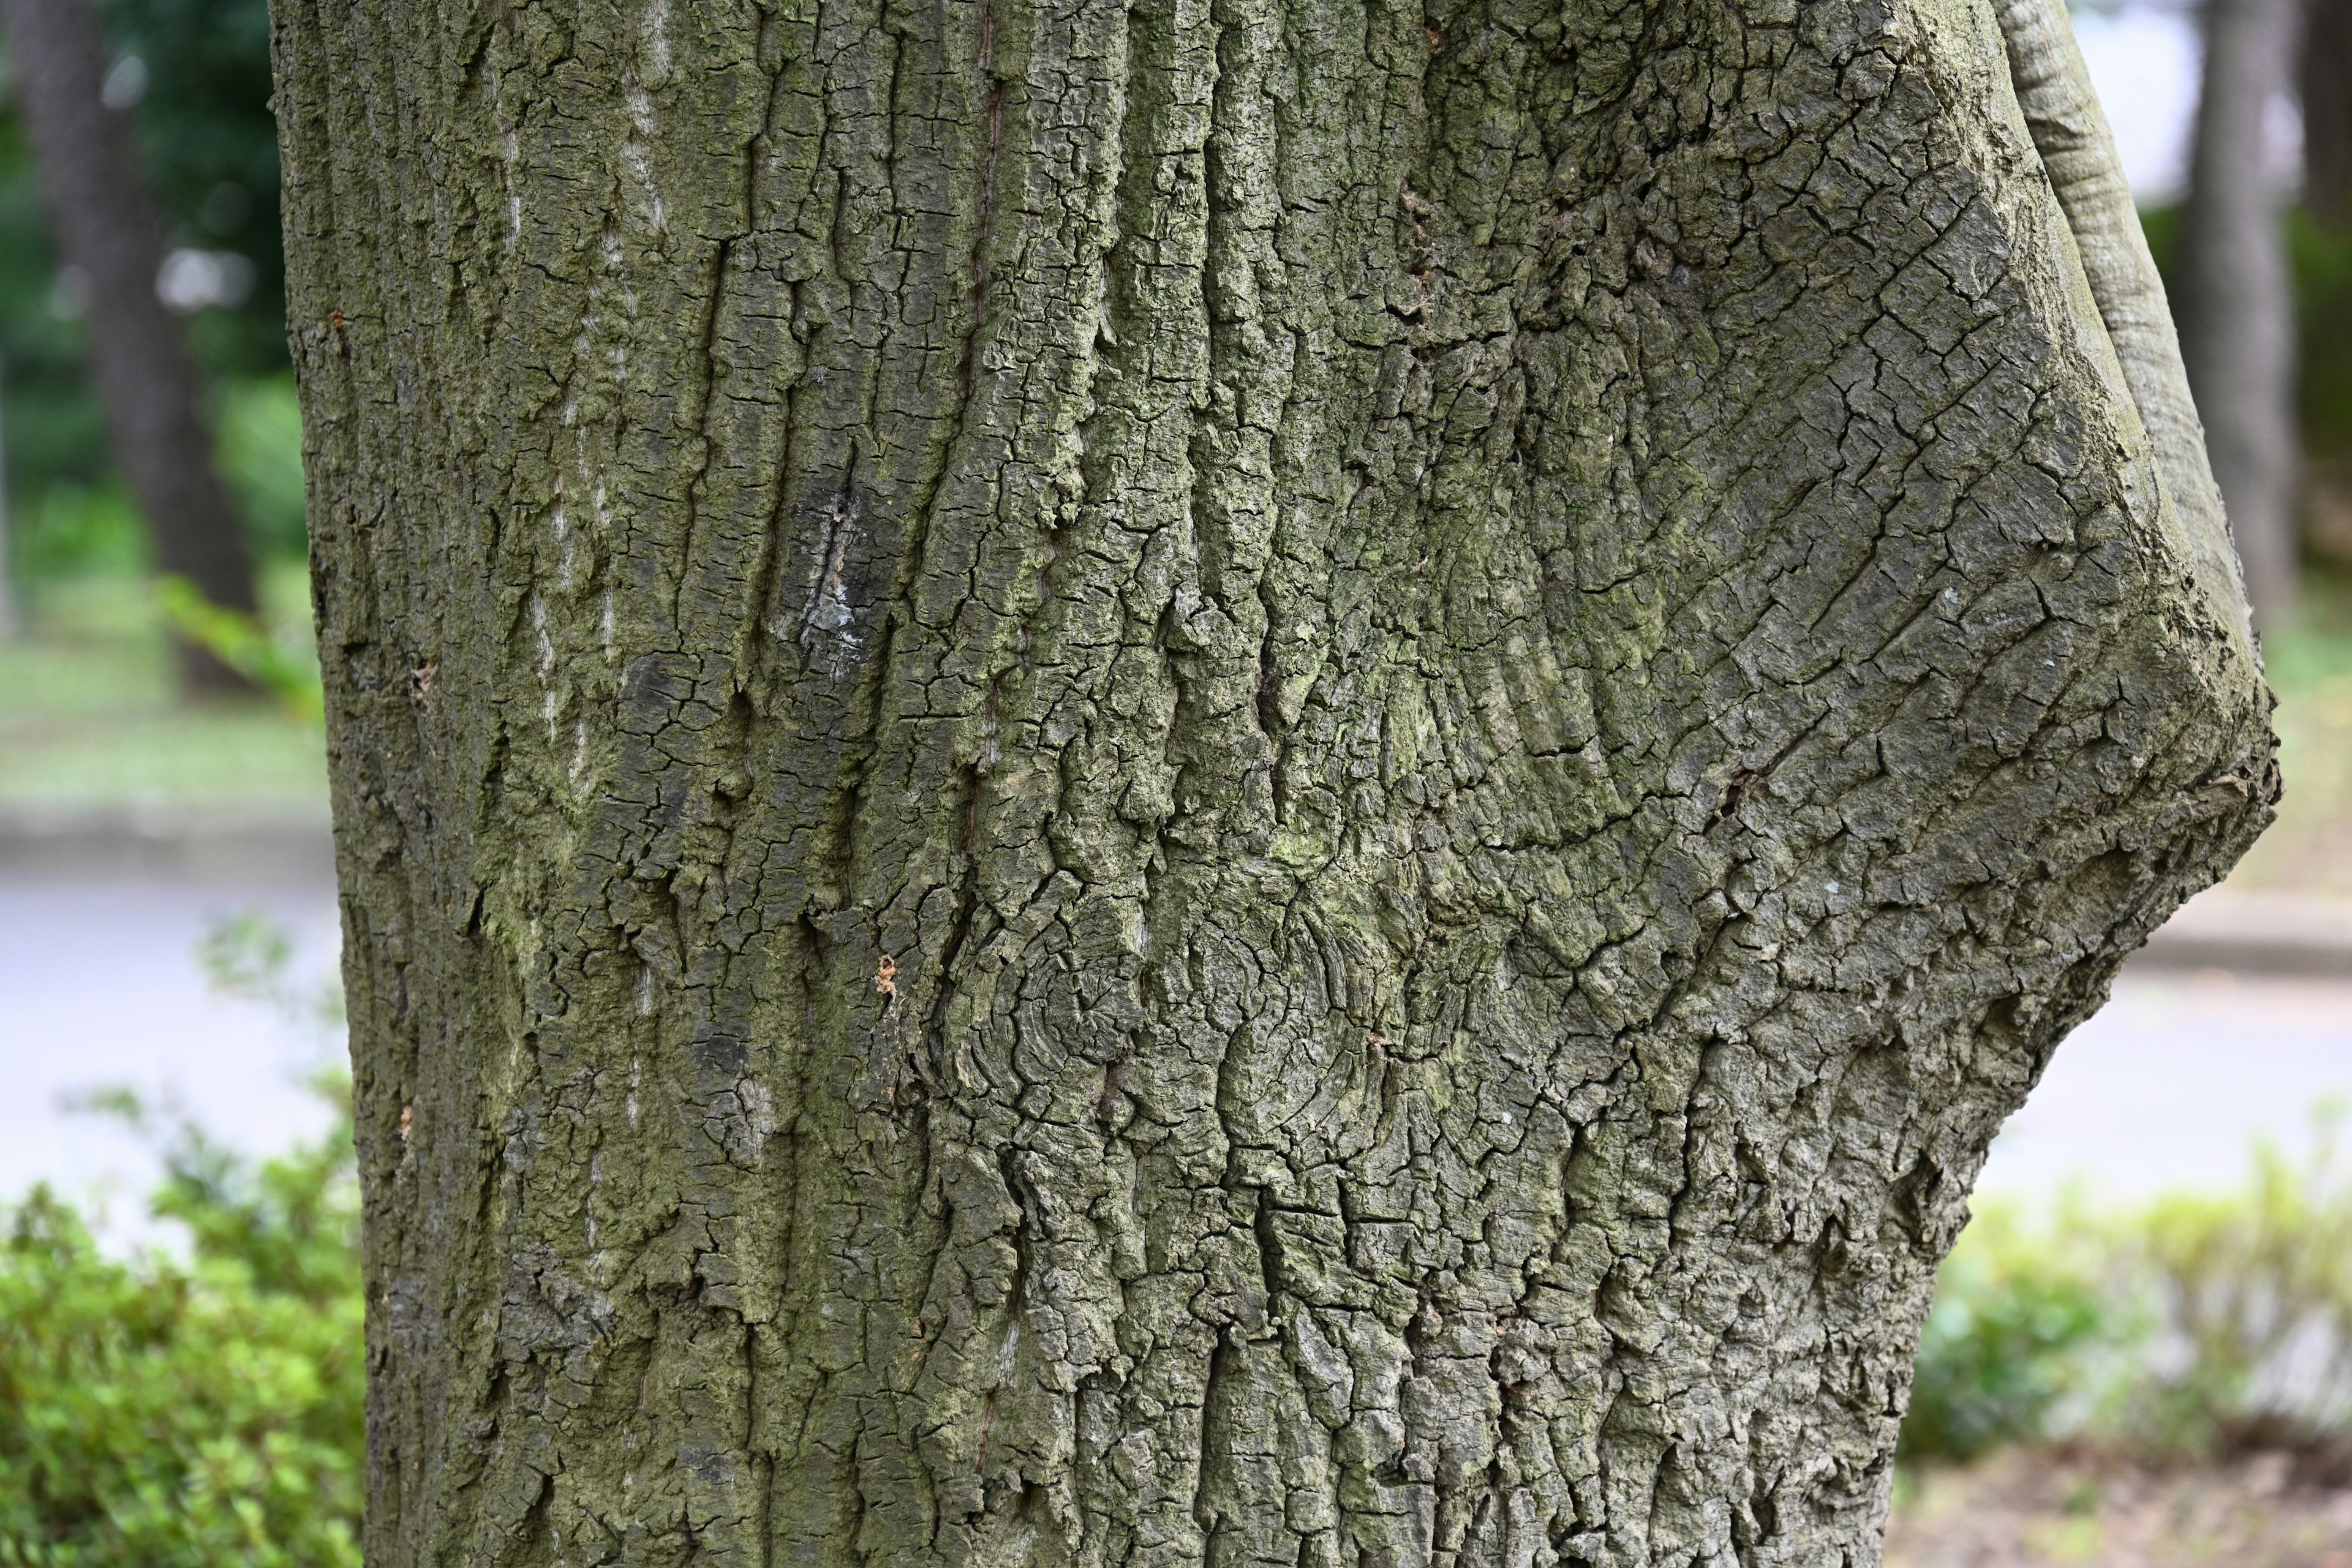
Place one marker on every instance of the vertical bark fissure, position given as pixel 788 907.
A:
pixel 992 91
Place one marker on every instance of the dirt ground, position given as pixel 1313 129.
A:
pixel 2020 1510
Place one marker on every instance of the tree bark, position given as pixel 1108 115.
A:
pixel 2237 296
pixel 106 230
pixel 1269 780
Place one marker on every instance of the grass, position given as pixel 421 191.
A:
pixel 2309 848
pixel 90 720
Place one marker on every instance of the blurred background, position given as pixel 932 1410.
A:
pixel 2142 1350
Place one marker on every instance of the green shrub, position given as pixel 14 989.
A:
pixel 2183 1326
pixel 2007 1343
pixel 167 1412
pixel 188 1412
pixel 260 454
pixel 2254 1293
pixel 75 530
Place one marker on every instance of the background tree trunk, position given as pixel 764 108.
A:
pixel 1219 782
pixel 106 230
pixel 2324 73
pixel 2237 297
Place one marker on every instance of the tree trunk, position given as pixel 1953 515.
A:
pixel 2237 297
pixel 1259 782
pixel 107 230
pixel 2324 84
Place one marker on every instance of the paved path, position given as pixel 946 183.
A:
pixel 2169 1084
pixel 98 984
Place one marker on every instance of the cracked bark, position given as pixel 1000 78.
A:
pixel 1232 782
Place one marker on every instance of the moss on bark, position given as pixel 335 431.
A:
pixel 1243 781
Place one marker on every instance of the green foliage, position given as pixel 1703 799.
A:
pixel 260 457
pixel 170 1414
pixel 2181 1327
pixel 249 955
pixel 55 432
pixel 2321 257
pixel 2254 1289
pixel 77 530
pixel 243 643
pixel 2004 1343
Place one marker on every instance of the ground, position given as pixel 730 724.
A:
pixel 2026 1509
pixel 89 723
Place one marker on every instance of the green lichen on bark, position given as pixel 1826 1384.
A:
pixel 1244 781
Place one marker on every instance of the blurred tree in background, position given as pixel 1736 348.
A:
pixel 2265 305
pixel 73 94
pixel 211 150
pixel 2324 71
pixel 2320 237
pixel 2233 293
pixel 195 77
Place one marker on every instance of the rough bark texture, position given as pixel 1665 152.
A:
pixel 106 230
pixel 2237 299
pixel 1264 781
